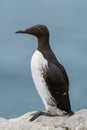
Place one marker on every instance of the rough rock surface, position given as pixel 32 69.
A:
pixel 76 122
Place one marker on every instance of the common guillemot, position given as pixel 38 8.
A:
pixel 49 76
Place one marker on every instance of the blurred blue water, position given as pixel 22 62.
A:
pixel 67 22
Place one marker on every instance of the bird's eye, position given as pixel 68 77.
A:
pixel 37 29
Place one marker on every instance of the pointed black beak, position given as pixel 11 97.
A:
pixel 20 31
pixel 27 31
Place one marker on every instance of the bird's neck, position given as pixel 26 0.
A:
pixel 43 43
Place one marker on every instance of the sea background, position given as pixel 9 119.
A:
pixel 67 23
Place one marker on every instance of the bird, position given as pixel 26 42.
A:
pixel 49 75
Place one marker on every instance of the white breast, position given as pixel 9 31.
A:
pixel 38 64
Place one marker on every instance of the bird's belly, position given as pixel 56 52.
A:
pixel 38 66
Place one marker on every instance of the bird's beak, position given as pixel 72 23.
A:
pixel 26 31
pixel 20 31
pixel 30 31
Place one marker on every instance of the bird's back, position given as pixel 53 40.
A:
pixel 57 81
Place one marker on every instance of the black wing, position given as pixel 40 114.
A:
pixel 58 87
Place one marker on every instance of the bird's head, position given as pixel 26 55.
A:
pixel 37 30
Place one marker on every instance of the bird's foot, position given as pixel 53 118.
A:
pixel 37 114
pixel 71 113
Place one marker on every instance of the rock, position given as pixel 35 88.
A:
pixel 76 122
